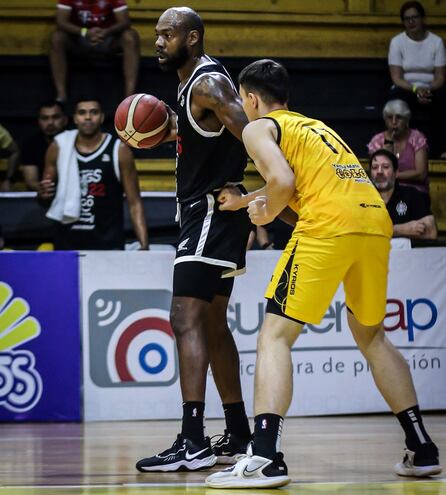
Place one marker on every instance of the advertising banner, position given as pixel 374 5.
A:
pixel 130 357
pixel 330 374
pixel 131 364
pixel 39 337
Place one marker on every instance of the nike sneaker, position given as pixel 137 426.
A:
pixel 184 455
pixel 228 448
pixel 252 471
pixel 423 462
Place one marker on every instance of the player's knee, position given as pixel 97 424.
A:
pixel 265 340
pixel 176 321
pixel 180 322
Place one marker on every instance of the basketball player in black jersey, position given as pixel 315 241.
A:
pixel 212 244
pixel 106 171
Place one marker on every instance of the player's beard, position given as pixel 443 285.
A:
pixel 176 61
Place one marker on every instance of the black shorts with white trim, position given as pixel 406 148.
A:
pixel 212 237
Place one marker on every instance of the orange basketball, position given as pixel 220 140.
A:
pixel 141 121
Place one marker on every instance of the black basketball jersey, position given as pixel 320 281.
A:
pixel 101 222
pixel 205 160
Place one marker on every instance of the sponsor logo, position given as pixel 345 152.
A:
pixel 409 315
pixel 131 340
pixel 251 472
pixel 105 157
pixel 294 271
pixel 182 245
pixel 351 171
pixel 194 203
pixel 189 457
pixel 20 382
pixel 368 205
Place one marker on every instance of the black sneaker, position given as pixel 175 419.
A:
pixel 423 462
pixel 228 448
pixel 184 455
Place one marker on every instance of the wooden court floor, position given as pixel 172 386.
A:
pixel 343 455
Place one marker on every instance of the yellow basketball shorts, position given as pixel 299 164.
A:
pixel 310 270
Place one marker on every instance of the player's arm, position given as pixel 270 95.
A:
pixel 172 134
pixel 215 93
pixel 47 186
pixel 266 203
pixel 129 179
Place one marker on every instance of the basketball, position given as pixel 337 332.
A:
pixel 142 121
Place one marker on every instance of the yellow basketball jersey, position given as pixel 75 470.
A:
pixel 334 195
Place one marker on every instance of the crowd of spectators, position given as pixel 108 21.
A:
pixel 399 154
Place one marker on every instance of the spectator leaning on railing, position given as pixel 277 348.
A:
pixel 408 208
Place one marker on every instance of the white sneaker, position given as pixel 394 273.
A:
pixel 252 471
pixel 408 468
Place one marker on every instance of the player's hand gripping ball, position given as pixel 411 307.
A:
pixel 142 121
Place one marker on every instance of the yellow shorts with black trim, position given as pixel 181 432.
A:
pixel 310 270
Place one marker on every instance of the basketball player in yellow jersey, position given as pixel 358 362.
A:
pixel 342 234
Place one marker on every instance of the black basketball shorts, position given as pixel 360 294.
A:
pixel 211 237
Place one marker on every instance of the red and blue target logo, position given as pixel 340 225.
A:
pixel 130 346
pixel 142 349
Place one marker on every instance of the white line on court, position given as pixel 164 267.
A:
pixel 178 484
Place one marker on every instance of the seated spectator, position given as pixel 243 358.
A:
pixel 86 173
pixel 51 120
pixel 417 64
pixel 10 150
pixel 408 208
pixel 274 235
pixel 409 145
pixel 93 28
